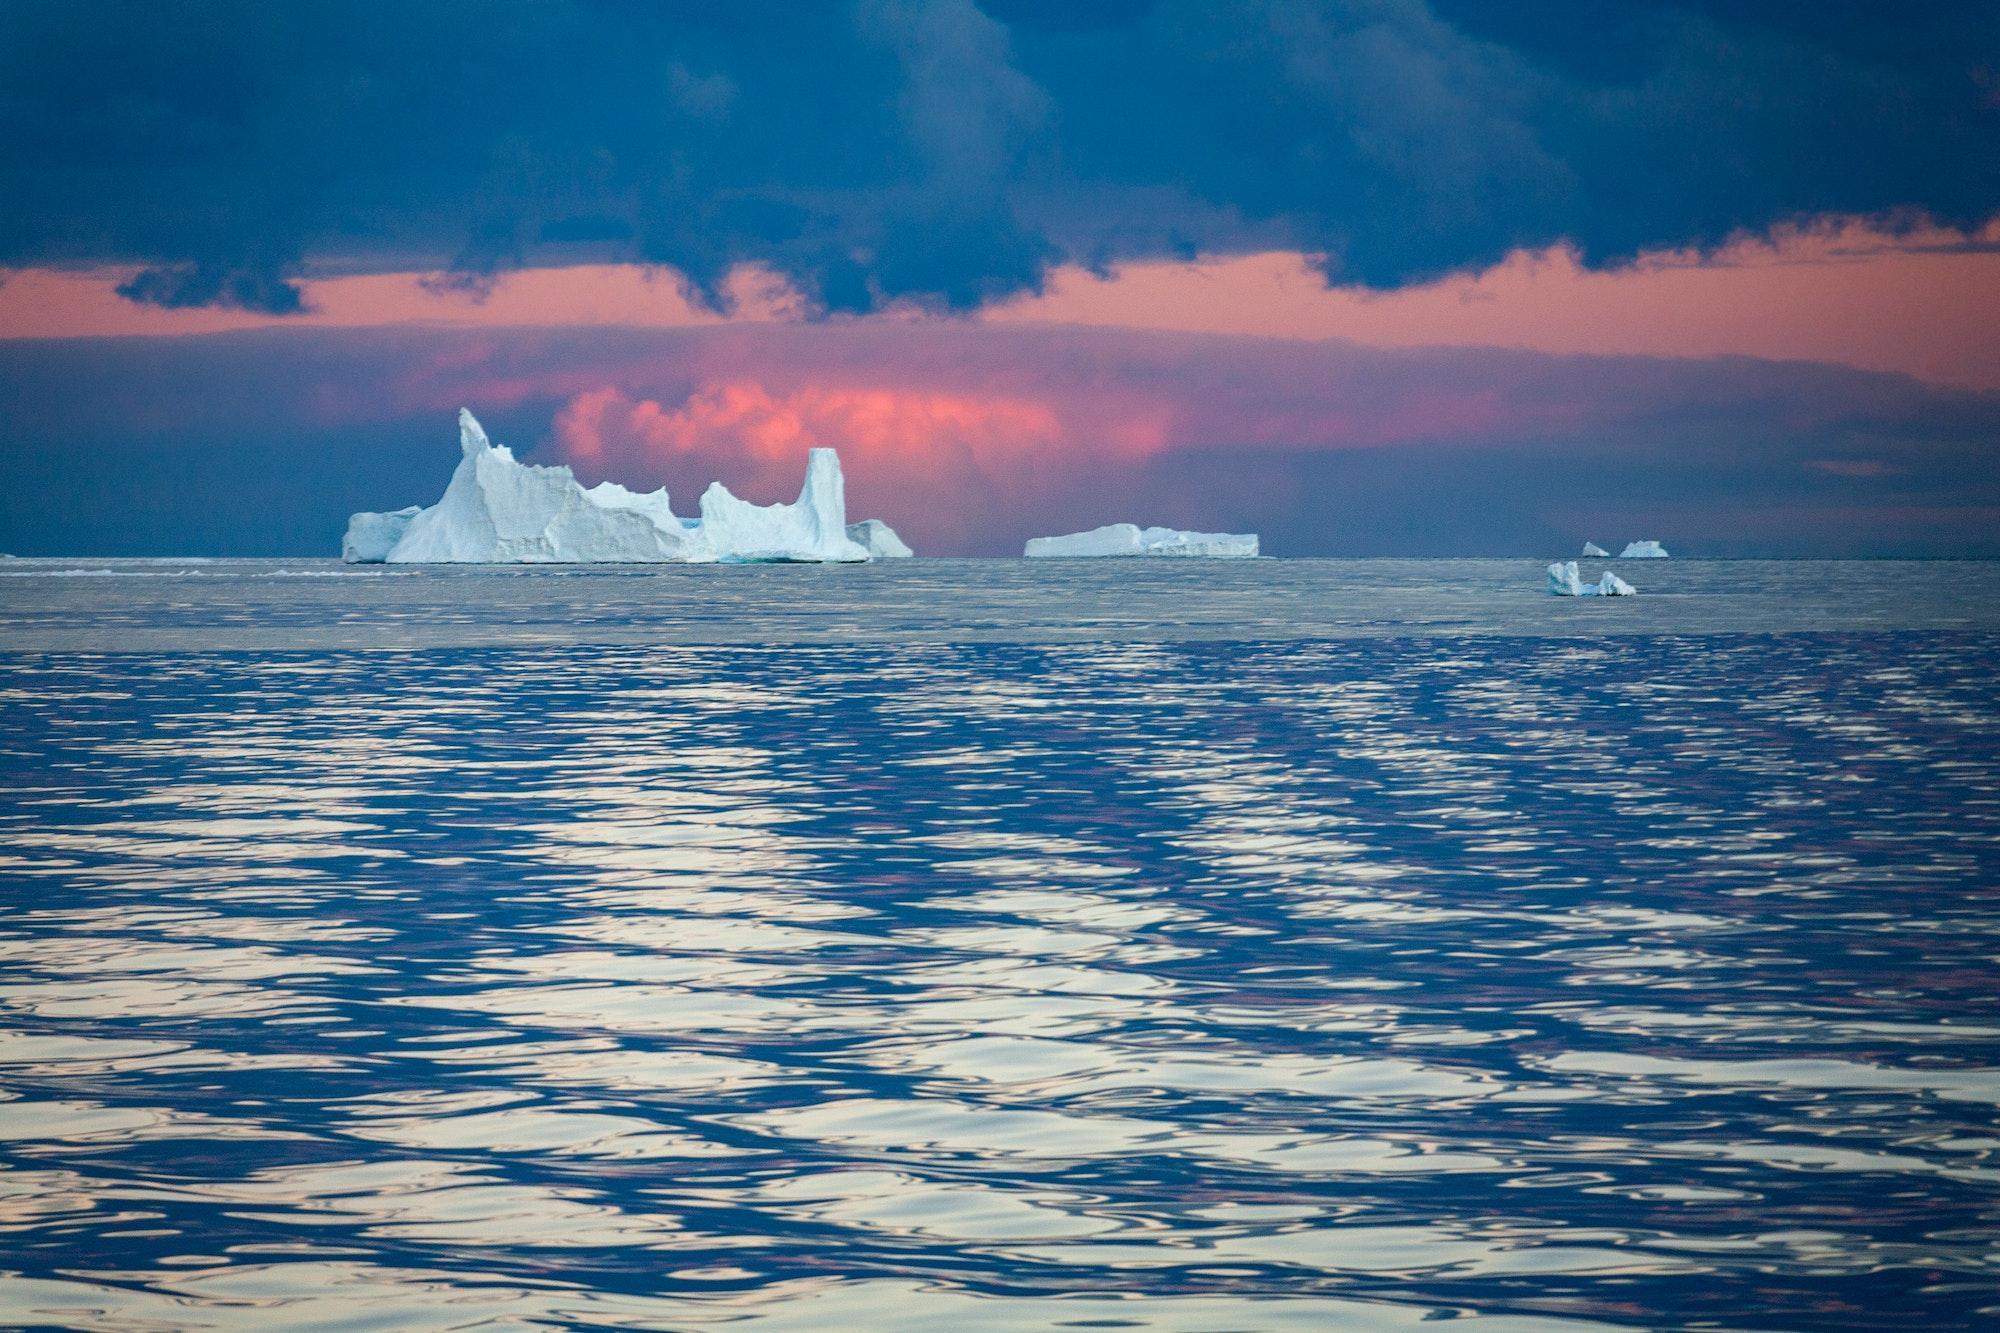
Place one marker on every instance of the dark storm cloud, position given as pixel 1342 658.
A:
pixel 947 150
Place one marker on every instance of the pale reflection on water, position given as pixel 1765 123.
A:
pixel 1297 984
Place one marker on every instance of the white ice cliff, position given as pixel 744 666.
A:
pixel 1593 549
pixel 1130 539
pixel 1564 581
pixel 1643 551
pixel 500 511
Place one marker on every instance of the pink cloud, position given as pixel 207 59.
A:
pixel 745 418
pixel 906 450
pixel 1853 467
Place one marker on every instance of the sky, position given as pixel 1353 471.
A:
pixel 1452 277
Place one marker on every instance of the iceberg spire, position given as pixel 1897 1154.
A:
pixel 471 435
pixel 813 527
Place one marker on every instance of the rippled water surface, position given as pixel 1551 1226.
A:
pixel 1579 974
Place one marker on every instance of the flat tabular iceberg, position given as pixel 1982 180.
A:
pixel 1564 581
pixel 1130 539
pixel 1643 551
pixel 500 511
pixel 1593 549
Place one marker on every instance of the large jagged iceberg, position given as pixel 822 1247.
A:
pixel 1643 551
pixel 1565 581
pixel 1591 549
pixel 500 511
pixel 1118 539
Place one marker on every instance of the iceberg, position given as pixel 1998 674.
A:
pixel 814 527
pixel 497 510
pixel 370 537
pixel 1120 539
pixel 1564 581
pixel 1593 549
pixel 878 539
pixel 1643 551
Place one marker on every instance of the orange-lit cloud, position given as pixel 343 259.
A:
pixel 901 446
pixel 1919 303
pixel 746 418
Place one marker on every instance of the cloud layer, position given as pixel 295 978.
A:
pixel 947 151
pixel 971 439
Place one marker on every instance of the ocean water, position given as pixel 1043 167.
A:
pixel 993 945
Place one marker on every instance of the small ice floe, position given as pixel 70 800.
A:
pixel 1591 549
pixel 1642 551
pixel 1117 539
pixel 1564 581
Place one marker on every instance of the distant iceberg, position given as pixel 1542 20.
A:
pixel 1643 551
pixel 1564 581
pixel 499 511
pixel 1119 539
pixel 1591 549
pixel 878 539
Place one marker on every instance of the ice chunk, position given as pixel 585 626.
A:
pixel 1565 581
pixel 500 511
pixel 878 539
pixel 1643 551
pixel 1119 539
pixel 370 537
pixel 1593 549
pixel 813 527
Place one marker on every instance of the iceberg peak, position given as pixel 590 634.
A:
pixel 813 527
pixel 471 435
pixel 1646 550
pixel 1593 549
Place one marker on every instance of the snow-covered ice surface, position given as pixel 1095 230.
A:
pixel 1592 550
pixel 1124 539
pixel 878 539
pixel 498 510
pixel 1565 581
pixel 1647 550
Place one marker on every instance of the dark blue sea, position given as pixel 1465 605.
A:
pixel 986 945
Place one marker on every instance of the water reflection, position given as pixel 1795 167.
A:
pixel 1297 984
